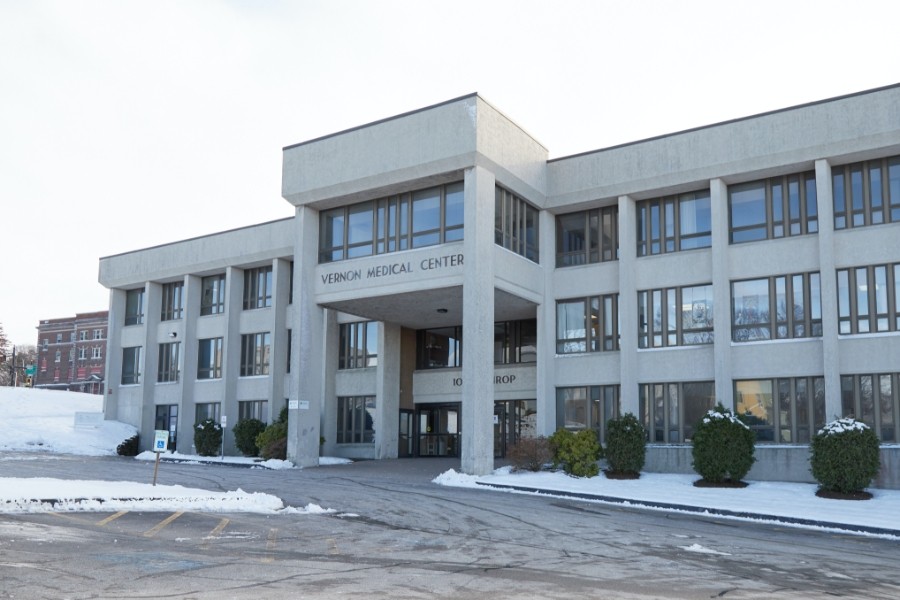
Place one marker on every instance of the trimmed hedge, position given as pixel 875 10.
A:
pixel 626 445
pixel 272 442
pixel 723 447
pixel 208 437
pixel 844 456
pixel 129 447
pixel 577 453
pixel 245 432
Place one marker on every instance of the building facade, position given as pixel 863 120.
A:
pixel 72 353
pixel 445 289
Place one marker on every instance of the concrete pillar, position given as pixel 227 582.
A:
pixel 387 392
pixel 150 360
pixel 828 280
pixel 546 330
pixel 628 318
pixel 308 361
pixel 331 353
pixel 478 324
pixel 718 193
pixel 231 342
pixel 281 281
pixel 114 355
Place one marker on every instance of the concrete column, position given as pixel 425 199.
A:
pixel 718 192
pixel 828 277
pixel 546 330
pixel 150 359
pixel 628 318
pixel 387 392
pixel 330 352
pixel 231 342
pixel 308 361
pixel 281 281
pixel 478 324
pixel 114 354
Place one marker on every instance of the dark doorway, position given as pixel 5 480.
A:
pixel 407 437
pixel 513 420
pixel 167 420
pixel 438 429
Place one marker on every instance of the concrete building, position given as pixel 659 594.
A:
pixel 72 353
pixel 447 289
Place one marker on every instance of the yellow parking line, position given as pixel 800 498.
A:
pixel 111 518
pixel 222 524
pixel 162 524
pixel 270 546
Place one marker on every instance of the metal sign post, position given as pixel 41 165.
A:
pixel 160 443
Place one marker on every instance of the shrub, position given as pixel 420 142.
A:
pixel 723 447
pixel 626 445
pixel 529 454
pixel 208 437
pixel 245 432
pixel 129 447
pixel 844 456
pixel 272 442
pixel 577 453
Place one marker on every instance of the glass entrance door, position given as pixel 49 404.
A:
pixel 406 433
pixel 438 430
pixel 167 420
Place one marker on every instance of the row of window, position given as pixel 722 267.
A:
pixel 781 410
pixel 255 355
pixel 514 342
pixel 257 293
pixel 83 336
pixel 96 354
pixel 865 193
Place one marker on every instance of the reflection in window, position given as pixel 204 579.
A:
pixel 212 295
pixel 356 420
pixel 516 225
pixel 866 193
pixel 670 411
pixel 255 354
pixel 785 410
pixel 172 301
pixel 773 208
pixel 358 345
pixel 257 288
pixel 587 407
pixel 587 324
pixel 589 236
pixel 869 299
pixel 674 223
pixel 681 316
pixel 781 307
pixel 134 307
pixel 874 400
pixel 209 358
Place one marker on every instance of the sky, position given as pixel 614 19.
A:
pixel 40 423
pixel 127 124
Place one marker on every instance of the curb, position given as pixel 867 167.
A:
pixel 699 510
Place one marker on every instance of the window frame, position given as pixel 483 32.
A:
pixel 352 425
pixel 599 228
pixel 257 288
pixel 781 220
pixel 774 431
pixel 812 325
pixel 852 403
pixel 516 224
pixel 134 307
pixel 601 403
pixel 215 348
pixel 659 224
pixel 855 205
pixel 850 320
pixel 212 295
pixel 672 422
pixel 131 365
pixel 172 305
pixel 671 334
pixel 603 310
pixel 354 345
pixel 168 370
pixel 255 354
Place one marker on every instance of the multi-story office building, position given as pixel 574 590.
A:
pixel 72 353
pixel 444 289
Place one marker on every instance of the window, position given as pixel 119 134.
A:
pixel 72 336
pixel 290 350
pixel 257 288
pixel 96 352
pixel 675 316
pixel 589 236
pixel 356 420
pixel 131 365
pixel 674 223
pixel 587 407
pixel 875 400
pixel 45 343
pixel 869 299
pixel 212 295
pixel 253 409
pixel 98 334
pixel 587 324
pixel 172 301
pixel 439 348
pixel 167 368
pixel 411 220
pixel 82 335
pixel 866 193
pixel 254 354
pixel 134 307
pixel 786 411
pixel 359 345
pixel 59 338
pixel 670 411
pixel 773 208
pixel 58 357
pixel 516 225
pixel 209 358
pixel 515 342
pixel 794 300
pixel 82 353
pixel 208 410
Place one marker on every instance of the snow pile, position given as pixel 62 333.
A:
pixel 842 425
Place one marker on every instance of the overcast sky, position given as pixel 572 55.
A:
pixel 129 124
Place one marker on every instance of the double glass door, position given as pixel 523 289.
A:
pixel 438 430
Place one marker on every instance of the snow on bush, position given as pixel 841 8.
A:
pixel 844 456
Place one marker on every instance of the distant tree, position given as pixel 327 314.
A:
pixel 5 357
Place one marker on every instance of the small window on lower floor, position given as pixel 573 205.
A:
pixel 784 410
pixel 670 411
pixel 253 409
pixel 208 410
pixel 587 407
pixel 356 420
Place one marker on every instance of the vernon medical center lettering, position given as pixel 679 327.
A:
pixel 396 268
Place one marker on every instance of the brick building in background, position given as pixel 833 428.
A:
pixel 72 353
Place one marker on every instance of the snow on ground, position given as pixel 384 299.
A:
pixel 43 421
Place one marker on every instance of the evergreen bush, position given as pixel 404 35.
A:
pixel 844 456
pixel 129 447
pixel 529 454
pixel 245 432
pixel 208 437
pixel 723 447
pixel 577 453
pixel 626 445
pixel 272 441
